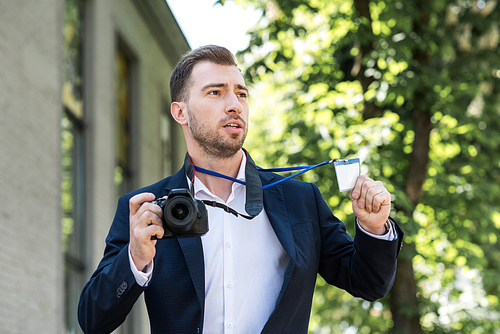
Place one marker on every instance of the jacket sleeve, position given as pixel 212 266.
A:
pixel 365 267
pixel 109 295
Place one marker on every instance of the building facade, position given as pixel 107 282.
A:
pixel 84 118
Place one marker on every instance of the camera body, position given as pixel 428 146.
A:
pixel 183 215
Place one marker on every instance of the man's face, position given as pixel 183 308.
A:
pixel 217 109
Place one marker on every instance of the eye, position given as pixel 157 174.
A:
pixel 243 95
pixel 213 92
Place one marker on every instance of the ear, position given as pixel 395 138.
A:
pixel 178 111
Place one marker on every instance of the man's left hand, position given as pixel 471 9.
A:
pixel 371 203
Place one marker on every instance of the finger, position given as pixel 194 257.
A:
pixel 380 200
pixel 151 232
pixel 149 214
pixel 136 201
pixel 147 225
pixel 155 232
pixel 148 206
pixel 372 190
pixel 364 184
pixel 148 218
pixel 356 191
pixel 363 196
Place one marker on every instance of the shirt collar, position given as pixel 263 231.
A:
pixel 241 171
pixel 247 172
pixel 200 186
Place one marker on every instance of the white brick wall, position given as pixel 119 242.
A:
pixel 31 279
pixel 30 109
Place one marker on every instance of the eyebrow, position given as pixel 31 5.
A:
pixel 222 85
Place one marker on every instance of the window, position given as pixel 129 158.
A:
pixel 124 81
pixel 123 169
pixel 73 163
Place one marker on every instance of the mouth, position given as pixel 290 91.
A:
pixel 234 122
pixel 232 125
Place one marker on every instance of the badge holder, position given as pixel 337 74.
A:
pixel 347 172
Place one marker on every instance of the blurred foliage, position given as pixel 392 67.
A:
pixel 343 78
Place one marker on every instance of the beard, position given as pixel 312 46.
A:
pixel 212 143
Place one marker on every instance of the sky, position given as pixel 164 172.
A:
pixel 204 23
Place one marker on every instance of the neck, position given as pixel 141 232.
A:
pixel 228 166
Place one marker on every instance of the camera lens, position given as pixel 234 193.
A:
pixel 183 215
pixel 180 211
pixel 180 214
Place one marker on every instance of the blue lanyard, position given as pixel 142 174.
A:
pixel 302 169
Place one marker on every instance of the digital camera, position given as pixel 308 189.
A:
pixel 183 215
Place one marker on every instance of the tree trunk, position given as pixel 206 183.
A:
pixel 370 109
pixel 403 299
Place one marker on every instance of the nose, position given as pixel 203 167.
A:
pixel 233 104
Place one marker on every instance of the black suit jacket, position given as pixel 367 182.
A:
pixel 312 236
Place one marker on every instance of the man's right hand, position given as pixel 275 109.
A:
pixel 145 222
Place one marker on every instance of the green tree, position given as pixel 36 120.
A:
pixel 412 88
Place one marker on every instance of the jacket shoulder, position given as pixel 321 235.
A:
pixel 160 188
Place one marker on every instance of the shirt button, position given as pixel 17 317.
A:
pixel 229 285
pixel 229 325
pixel 228 245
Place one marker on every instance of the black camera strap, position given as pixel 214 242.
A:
pixel 227 209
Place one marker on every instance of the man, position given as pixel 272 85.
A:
pixel 243 276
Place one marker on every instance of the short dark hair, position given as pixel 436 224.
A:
pixel 180 76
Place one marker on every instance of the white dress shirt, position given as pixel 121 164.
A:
pixel 244 264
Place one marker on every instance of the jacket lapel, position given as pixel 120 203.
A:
pixel 191 246
pixel 193 253
pixel 274 204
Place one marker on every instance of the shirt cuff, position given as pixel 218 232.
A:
pixel 141 278
pixel 391 235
